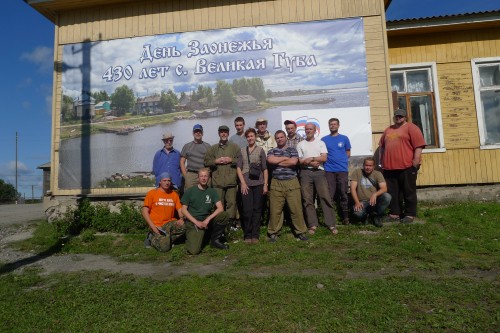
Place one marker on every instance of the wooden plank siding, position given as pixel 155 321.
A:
pixel 463 162
pixel 150 17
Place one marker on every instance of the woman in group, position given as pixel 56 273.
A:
pixel 252 173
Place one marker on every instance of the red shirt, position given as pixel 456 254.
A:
pixel 399 145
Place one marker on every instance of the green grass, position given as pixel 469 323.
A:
pixel 438 276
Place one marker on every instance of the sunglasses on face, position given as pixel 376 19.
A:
pixel 398 117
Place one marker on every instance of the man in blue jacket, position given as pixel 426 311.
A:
pixel 167 159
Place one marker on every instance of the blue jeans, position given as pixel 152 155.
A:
pixel 383 202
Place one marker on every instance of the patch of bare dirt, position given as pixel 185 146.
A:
pixel 17 261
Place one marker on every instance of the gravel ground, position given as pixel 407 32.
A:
pixel 17 222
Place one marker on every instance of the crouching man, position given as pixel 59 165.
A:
pixel 198 204
pixel 159 210
pixel 369 192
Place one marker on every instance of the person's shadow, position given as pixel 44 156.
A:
pixel 56 248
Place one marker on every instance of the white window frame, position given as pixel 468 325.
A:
pixel 435 89
pixel 479 106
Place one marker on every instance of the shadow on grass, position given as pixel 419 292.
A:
pixel 56 248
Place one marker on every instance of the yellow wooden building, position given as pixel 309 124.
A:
pixel 435 65
pixel 447 74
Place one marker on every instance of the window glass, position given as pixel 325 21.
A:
pixel 422 116
pixel 418 81
pixel 490 100
pixel 398 82
pixel 489 75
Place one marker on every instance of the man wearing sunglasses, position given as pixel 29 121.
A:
pixel 401 147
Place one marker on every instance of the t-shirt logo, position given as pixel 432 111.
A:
pixel 340 144
pixel 208 199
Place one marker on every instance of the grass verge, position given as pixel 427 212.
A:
pixel 437 276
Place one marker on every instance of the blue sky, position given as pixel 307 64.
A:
pixel 26 85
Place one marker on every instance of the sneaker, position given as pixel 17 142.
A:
pixel 377 221
pixel 346 221
pixel 273 238
pixel 302 237
pixel 407 219
pixel 391 219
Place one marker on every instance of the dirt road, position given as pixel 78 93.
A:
pixel 20 214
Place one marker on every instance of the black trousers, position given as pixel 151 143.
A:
pixel 251 212
pixel 402 186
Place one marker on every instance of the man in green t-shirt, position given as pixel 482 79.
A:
pixel 369 192
pixel 198 204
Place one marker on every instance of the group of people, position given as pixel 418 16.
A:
pixel 205 188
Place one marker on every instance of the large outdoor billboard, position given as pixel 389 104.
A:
pixel 120 96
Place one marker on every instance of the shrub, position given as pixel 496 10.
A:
pixel 99 218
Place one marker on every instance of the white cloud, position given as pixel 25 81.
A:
pixel 41 56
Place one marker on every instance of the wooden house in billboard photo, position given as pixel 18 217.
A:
pixel 443 70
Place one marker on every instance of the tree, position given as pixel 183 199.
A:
pixel 168 101
pixel 7 192
pixel 257 89
pixel 225 95
pixel 123 100
pixel 67 111
pixel 100 96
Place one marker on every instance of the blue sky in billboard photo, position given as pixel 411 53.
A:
pixel 26 85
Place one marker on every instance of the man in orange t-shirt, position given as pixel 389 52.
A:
pixel 401 147
pixel 159 210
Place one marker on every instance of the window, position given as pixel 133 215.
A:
pixel 486 75
pixel 416 87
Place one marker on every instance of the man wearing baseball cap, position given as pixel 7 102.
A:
pixel 222 158
pixel 401 147
pixel 292 138
pixel 167 159
pixel 192 157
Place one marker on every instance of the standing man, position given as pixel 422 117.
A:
pixel 159 210
pixel 239 137
pixel 198 204
pixel 369 192
pixel 337 166
pixel 167 159
pixel 312 154
pixel 292 138
pixel 401 147
pixel 222 158
pixel 264 139
pixel 285 188
pixel 193 157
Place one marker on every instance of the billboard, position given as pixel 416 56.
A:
pixel 120 96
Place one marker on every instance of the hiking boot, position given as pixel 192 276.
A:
pixel 377 221
pixel 147 241
pixel 302 237
pixel 219 245
pixel 273 238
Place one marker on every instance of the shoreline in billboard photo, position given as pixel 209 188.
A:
pixel 117 104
